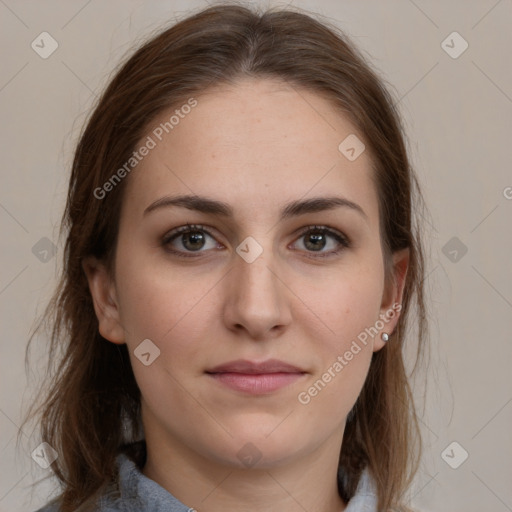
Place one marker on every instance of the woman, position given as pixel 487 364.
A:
pixel 240 264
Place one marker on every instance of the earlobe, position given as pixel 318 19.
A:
pixel 392 297
pixel 103 293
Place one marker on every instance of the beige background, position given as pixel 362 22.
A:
pixel 458 114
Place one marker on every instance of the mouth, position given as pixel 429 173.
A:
pixel 256 378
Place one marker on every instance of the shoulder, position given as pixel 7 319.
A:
pixel 132 491
pixel 365 497
pixel 50 507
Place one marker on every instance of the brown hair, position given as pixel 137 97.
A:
pixel 93 396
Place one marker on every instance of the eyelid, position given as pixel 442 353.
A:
pixel 342 239
pixel 326 229
pixel 186 228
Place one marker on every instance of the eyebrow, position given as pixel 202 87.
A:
pixel 292 209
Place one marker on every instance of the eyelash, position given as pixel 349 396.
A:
pixel 342 240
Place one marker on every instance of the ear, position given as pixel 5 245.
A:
pixel 103 292
pixel 392 296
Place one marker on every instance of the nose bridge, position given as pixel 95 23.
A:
pixel 257 300
pixel 254 279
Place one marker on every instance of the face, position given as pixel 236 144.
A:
pixel 259 313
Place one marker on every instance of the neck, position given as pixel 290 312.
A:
pixel 307 482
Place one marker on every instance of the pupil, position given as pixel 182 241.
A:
pixel 194 238
pixel 316 239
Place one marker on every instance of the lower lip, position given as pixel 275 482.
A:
pixel 258 383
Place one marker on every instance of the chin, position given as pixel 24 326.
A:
pixel 259 447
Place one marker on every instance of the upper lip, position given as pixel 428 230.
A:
pixel 244 366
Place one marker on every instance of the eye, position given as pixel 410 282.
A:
pixel 192 238
pixel 316 238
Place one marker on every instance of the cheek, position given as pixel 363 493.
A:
pixel 171 311
pixel 344 304
pixel 342 321
pixel 155 301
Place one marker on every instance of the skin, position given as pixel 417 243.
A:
pixel 256 145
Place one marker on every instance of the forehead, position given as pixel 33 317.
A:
pixel 257 142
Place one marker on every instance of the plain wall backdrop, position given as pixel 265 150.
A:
pixel 456 102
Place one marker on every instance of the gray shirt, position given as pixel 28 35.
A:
pixel 141 494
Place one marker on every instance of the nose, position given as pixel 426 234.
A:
pixel 257 300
